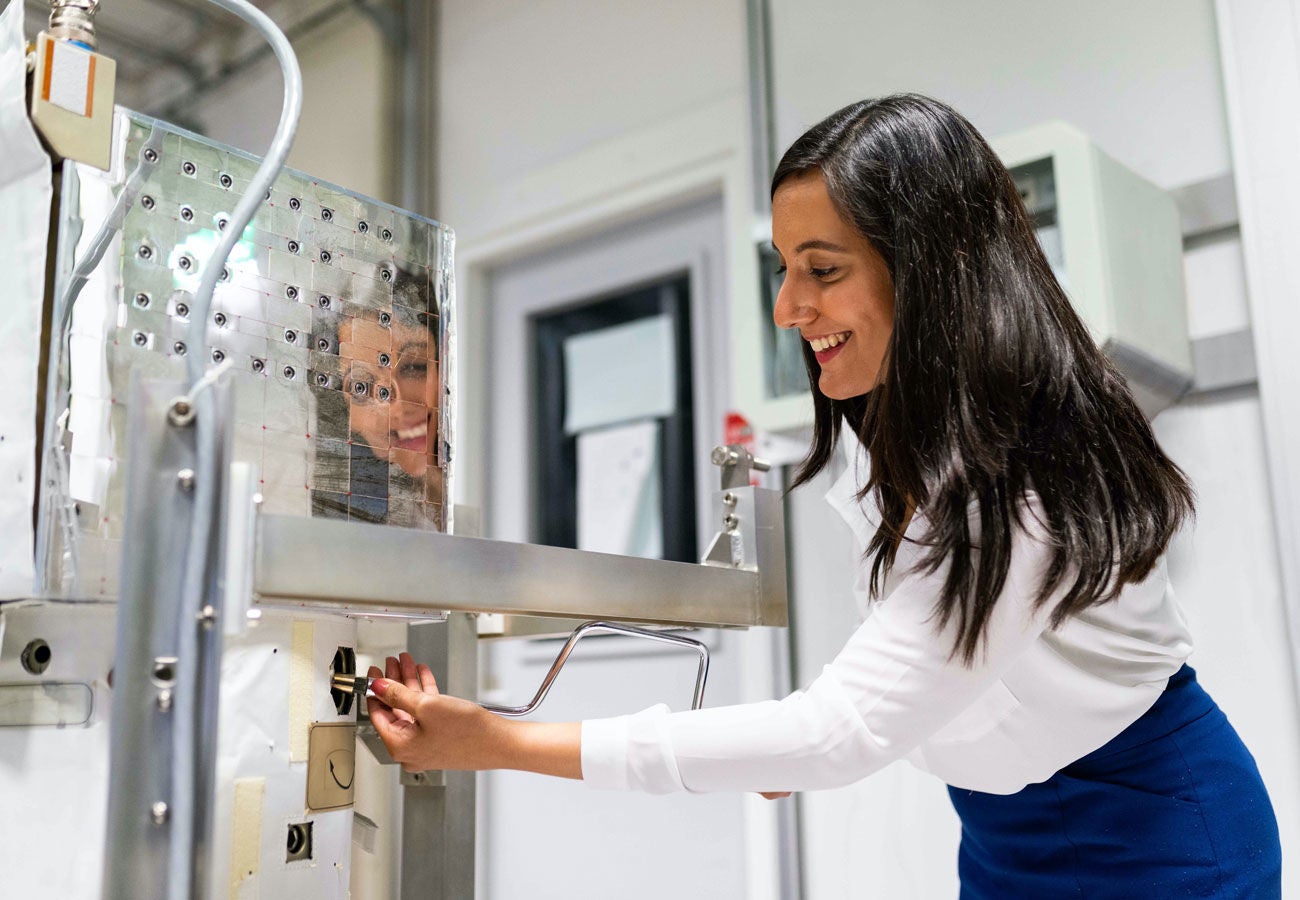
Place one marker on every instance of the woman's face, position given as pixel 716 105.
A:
pixel 392 392
pixel 837 290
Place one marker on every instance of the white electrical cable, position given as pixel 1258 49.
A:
pixel 185 781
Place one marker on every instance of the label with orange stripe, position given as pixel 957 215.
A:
pixel 68 81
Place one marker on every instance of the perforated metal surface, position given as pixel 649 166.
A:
pixel 333 312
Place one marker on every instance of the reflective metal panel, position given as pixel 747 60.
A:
pixel 332 314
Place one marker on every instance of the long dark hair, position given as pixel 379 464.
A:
pixel 991 384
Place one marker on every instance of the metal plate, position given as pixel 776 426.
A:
pixel 331 765
pixel 333 312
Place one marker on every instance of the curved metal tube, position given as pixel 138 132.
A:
pixel 609 628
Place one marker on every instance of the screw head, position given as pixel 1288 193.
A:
pixel 185 480
pixel 158 813
pixel 729 499
pixel 164 700
pixel 181 412
pixel 730 522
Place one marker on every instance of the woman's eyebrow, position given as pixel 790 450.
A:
pixel 820 245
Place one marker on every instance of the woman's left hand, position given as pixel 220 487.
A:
pixel 423 728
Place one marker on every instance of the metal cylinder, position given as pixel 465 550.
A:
pixel 73 20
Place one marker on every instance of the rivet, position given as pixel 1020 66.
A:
pixel 363 226
pixel 164 700
pixel 220 319
pixel 383 393
pixel 295 204
pixel 222 222
pixel 225 273
pixel 323 302
pixel 182 310
pixel 730 522
pixel 142 300
pixel 385 234
pixel 147 202
pixel 186 262
pixel 290 335
pixel 294 246
pixel 207 615
pixel 158 812
pixel 322 379
pixel 187 214
pixel 385 319
pixel 288 372
pixel 323 344
pixel 729 499
pixel 139 339
pixel 145 252
pixel 258 366
pixel 385 275
pixel 185 480
pixel 218 355
pixel 225 180
pixel 181 412
pixel 291 292
pixel 384 359
pixel 188 167
pixel 179 348
pixel 326 256
pixel 359 388
pixel 326 214
pixel 150 155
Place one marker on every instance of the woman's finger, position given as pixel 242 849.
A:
pixel 427 681
pixel 410 677
pixel 391 669
pixel 398 696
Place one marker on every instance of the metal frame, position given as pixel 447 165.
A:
pixel 435 572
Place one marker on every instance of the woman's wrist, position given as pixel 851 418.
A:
pixel 547 748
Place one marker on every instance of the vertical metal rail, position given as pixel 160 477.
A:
pixel 438 813
pixel 163 692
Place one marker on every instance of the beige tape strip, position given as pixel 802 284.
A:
pixel 246 831
pixel 300 679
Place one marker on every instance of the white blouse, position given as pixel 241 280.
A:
pixel 1034 701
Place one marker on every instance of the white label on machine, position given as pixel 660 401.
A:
pixel 69 71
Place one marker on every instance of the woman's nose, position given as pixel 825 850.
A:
pixel 790 309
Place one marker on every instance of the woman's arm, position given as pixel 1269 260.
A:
pixel 425 729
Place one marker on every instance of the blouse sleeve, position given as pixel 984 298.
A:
pixel 890 688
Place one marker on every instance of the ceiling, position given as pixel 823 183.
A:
pixel 170 51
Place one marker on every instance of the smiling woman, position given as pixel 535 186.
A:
pixel 1012 509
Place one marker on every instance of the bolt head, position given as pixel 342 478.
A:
pixel 185 480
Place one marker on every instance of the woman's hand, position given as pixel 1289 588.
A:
pixel 773 795
pixel 425 729
pixel 421 727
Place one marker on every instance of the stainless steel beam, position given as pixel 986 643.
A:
pixel 373 568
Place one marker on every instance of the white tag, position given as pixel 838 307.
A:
pixel 69 77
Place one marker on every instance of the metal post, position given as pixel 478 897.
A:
pixel 167 658
pixel 438 812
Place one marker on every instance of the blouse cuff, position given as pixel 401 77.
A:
pixel 616 750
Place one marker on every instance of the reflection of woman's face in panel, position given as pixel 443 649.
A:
pixel 391 382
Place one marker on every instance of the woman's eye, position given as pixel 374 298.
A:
pixel 780 270
pixel 822 273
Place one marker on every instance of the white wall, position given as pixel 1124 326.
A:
pixel 347 134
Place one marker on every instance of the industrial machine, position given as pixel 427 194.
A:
pixel 228 452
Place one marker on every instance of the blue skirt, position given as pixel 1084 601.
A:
pixel 1172 807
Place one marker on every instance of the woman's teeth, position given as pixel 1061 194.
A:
pixel 826 343
pixel 410 434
